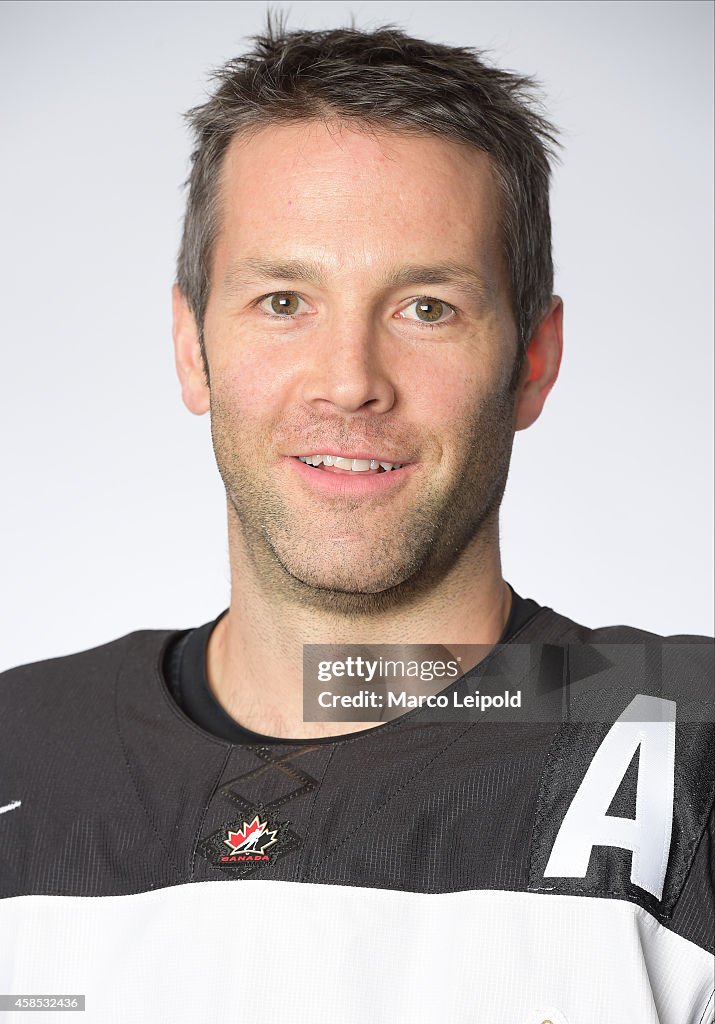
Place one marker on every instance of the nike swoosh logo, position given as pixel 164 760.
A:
pixel 10 807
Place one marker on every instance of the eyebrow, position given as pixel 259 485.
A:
pixel 447 272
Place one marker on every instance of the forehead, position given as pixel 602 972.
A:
pixel 351 195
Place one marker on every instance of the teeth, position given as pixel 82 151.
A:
pixel 355 465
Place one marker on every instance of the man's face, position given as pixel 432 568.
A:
pixel 386 333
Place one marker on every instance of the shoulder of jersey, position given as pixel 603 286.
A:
pixel 680 666
pixel 57 688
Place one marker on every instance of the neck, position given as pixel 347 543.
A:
pixel 255 653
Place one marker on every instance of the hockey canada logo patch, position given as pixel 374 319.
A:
pixel 249 843
pixel 243 845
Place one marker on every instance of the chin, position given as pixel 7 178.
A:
pixel 355 582
pixel 353 590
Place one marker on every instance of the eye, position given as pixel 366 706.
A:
pixel 280 304
pixel 430 312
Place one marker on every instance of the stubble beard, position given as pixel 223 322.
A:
pixel 295 559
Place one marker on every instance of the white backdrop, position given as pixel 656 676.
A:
pixel 113 512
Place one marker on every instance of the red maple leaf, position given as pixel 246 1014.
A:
pixel 235 839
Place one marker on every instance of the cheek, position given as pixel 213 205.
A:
pixel 238 406
pixel 441 394
pixel 244 378
pixel 434 406
pixel 253 364
pixel 249 407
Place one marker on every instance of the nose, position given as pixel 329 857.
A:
pixel 347 371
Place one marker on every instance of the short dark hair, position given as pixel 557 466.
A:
pixel 380 80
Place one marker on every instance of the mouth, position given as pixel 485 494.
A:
pixel 349 464
pixel 352 475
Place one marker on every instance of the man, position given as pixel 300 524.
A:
pixel 364 305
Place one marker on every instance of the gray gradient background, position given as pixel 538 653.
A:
pixel 113 512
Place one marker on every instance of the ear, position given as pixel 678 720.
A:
pixel 187 355
pixel 541 366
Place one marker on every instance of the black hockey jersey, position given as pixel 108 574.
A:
pixel 425 870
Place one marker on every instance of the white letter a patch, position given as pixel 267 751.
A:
pixel 647 723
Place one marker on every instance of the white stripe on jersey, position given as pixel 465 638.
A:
pixel 330 954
